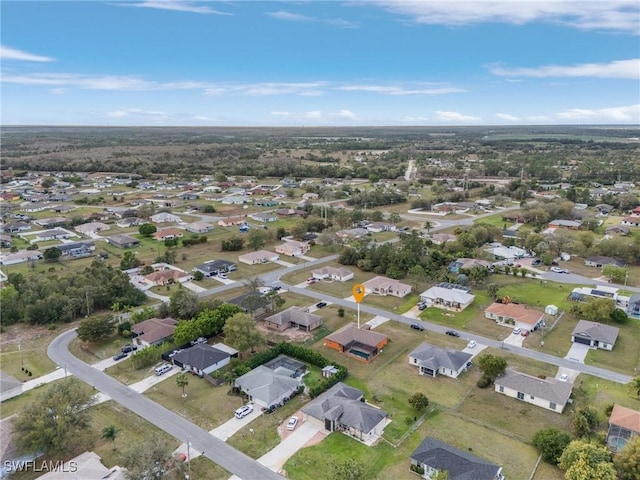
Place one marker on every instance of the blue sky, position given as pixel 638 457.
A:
pixel 375 62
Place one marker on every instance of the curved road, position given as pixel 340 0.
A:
pixel 178 427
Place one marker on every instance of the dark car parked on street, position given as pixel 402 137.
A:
pixel 417 326
pixel 452 333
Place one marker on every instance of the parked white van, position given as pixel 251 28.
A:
pixel 162 369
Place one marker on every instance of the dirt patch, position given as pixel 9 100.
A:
pixel 288 335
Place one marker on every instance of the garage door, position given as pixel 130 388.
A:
pixel 583 341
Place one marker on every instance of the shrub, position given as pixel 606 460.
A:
pixel 484 382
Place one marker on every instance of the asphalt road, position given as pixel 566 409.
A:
pixel 178 427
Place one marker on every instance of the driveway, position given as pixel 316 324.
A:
pixel 578 352
pixel 284 264
pixel 377 321
pixel 514 339
pixel 233 425
pixel 193 287
pixel 276 458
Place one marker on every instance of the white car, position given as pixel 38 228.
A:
pixel 559 270
pixel 243 411
pixel 564 377
pixel 471 344
pixel 517 330
pixel 291 424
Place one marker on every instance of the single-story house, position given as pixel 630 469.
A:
pixel 618 229
pixel 570 224
pixel 340 274
pixel 123 241
pixel 266 387
pixel 231 221
pixel 440 238
pixel 87 466
pixel 596 335
pixel 168 234
pixel 452 299
pixel 165 217
pixel 291 212
pixel 77 249
pixel 236 200
pixel 310 196
pixel 20 256
pixel 435 456
pixel 260 256
pixel 432 360
pixel 154 331
pixel 16 227
pixel 167 276
pixel 201 359
pixel 378 227
pixel 253 302
pixel 55 234
pixel 624 423
pixel 359 343
pixel 514 315
pixel 631 221
pixel 352 233
pixel 387 286
pixel 214 267
pixel 128 222
pixel 51 222
pixel 266 203
pixel 263 217
pixel 549 393
pixel 294 317
pixel 342 409
pixel 92 227
pixel 633 306
pixel 581 294
pixel 199 227
pixel 599 261
pixel 5 241
pixel 500 252
pixel 467 264
pixel 293 248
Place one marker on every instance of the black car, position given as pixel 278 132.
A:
pixel 120 356
pixel 276 288
pixel 321 304
pixel 452 333
pixel 417 326
pixel 128 348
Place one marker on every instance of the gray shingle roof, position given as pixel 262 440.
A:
pixel 596 331
pixel 200 356
pixel 549 389
pixel 435 357
pixel 460 465
pixel 266 385
pixel 342 403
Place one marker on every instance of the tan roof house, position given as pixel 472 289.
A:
pixel 624 423
pixel 340 274
pixel 154 331
pixel 294 317
pixel 359 343
pixel 293 248
pixel 387 286
pixel 260 256
pixel 514 315
pixel 168 234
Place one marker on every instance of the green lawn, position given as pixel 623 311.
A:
pixel 625 356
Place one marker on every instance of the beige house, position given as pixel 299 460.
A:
pixel 261 256
pixel 387 286
pixel 294 317
pixel 293 248
pixel 452 299
pixel 514 315
pixel 549 393
pixel 332 273
pixel 92 227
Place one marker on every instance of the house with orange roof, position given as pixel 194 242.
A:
pixel 359 343
pixel 515 315
pixel 624 423
pixel 168 234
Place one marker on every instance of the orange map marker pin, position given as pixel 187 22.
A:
pixel 358 292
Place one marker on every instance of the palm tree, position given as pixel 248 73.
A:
pixel 110 433
pixel 182 381
pixel 634 386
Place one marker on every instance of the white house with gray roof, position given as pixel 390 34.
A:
pixel 342 409
pixel 447 298
pixel 549 393
pixel 266 387
pixel 435 456
pixel 432 360
pixel 596 335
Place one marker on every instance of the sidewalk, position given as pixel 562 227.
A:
pixel 31 384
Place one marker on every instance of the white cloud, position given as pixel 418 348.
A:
pixel 609 15
pixel 175 5
pixel 58 91
pixel 508 117
pixel 346 114
pixel 313 115
pixel 455 117
pixel 8 53
pixel 281 114
pixel 415 119
pixel 401 90
pixel 626 69
pixel 625 114
pixel 298 17
pixel 137 112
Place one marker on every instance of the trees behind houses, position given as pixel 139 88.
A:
pixel 93 329
pixel 240 332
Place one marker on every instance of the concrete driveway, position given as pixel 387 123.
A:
pixel 570 373
pixel 514 339
pixel 276 458
pixel 578 352
pixel 233 425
